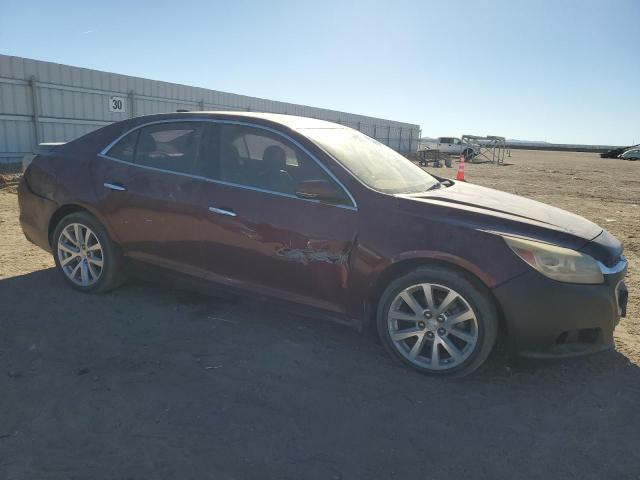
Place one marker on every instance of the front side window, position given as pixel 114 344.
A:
pixel 258 158
pixel 373 163
pixel 167 146
pixel 253 146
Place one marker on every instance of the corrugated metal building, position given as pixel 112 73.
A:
pixel 49 102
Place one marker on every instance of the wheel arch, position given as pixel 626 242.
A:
pixel 404 266
pixel 68 209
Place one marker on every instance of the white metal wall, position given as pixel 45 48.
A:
pixel 49 102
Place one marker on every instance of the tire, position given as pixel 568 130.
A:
pixel 468 155
pixel 102 261
pixel 461 346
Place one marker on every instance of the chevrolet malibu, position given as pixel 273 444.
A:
pixel 320 215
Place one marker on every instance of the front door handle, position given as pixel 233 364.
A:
pixel 114 186
pixel 222 211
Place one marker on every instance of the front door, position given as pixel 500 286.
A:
pixel 259 235
pixel 279 246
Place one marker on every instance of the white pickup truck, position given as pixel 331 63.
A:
pixel 450 146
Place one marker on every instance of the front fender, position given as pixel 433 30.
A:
pixel 424 256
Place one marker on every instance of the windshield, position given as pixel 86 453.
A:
pixel 373 163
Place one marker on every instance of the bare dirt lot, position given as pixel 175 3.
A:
pixel 148 382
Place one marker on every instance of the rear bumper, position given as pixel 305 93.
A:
pixel 547 319
pixel 35 214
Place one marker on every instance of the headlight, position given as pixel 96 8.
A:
pixel 558 263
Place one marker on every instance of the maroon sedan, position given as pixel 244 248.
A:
pixel 321 215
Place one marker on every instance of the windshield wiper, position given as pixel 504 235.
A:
pixel 435 186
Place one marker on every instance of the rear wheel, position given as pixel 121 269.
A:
pixel 85 255
pixel 437 321
pixel 468 155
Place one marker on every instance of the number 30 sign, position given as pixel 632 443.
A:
pixel 117 104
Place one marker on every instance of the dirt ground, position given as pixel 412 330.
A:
pixel 148 382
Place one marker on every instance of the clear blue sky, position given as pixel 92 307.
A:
pixel 564 71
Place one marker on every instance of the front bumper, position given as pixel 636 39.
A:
pixel 546 318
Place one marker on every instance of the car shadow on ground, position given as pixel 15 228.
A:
pixel 153 382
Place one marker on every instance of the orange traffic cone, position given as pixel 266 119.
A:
pixel 460 174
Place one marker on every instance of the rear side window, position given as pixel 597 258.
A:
pixel 167 146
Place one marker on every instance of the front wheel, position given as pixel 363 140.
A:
pixel 437 321
pixel 85 255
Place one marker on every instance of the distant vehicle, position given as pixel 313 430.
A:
pixel 451 146
pixel 633 154
pixel 619 152
pixel 321 215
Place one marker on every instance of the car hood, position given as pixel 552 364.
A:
pixel 495 203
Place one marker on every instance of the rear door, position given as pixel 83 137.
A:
pixel 148 194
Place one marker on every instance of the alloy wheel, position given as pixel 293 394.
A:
pixel 432 326
pixel 80 254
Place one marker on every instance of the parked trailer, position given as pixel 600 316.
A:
pixel 471 147
pixel 445 147
pixel 491 147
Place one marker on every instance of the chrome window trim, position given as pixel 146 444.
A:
pixel 229 184
pixel 617 268
pixel 354 205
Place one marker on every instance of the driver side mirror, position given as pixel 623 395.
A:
pixel 320 190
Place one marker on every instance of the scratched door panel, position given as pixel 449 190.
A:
pixel 279 246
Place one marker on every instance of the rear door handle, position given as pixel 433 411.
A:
pixel 114 186
pixel 222 211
